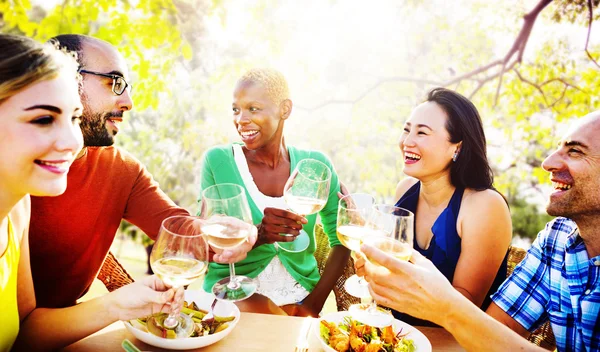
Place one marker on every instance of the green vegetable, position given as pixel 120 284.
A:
pixel 324 332
pixel 406 345
pixel 129 347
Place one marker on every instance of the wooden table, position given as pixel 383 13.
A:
pixel 254 332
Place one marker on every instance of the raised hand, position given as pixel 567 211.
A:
pixel 417 287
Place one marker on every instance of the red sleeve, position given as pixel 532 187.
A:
pixel 148 205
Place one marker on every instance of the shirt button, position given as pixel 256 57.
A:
pixel 587 292
pixel 597 262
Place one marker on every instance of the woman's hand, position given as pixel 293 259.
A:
pixel 416 288
pixel 277 222
pixel 359 264
pixel 141 298
pixel 343 191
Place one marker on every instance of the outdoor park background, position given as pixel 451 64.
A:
pixel 355 71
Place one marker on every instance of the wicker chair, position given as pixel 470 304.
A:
pixel 112 274
pixel 342 298
pixel 543 336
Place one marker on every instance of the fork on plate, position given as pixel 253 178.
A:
pixel 209 318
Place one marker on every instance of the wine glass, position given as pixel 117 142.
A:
pixel 305 192
pixel 179 257
pixel 354 211
pixel 228 223
pixel 392 232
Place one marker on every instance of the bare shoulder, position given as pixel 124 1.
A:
pixel 484 210
pixel 486 199
pixel 404 186
pixel 20 215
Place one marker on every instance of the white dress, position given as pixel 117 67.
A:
pixel 274 281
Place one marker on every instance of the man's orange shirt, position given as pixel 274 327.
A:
pixel 70 235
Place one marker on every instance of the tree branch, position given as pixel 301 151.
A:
pixel 518 47
pixel 483 81
pixel 507 63
pixel 587 40
pixel 539 87
pixel 536 86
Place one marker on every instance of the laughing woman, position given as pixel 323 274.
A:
pixel 262 165
pixel 461 223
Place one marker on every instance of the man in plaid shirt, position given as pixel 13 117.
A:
pixel 559 279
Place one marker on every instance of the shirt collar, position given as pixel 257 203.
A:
pixel 573 239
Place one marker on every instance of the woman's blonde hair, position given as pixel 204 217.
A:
pixel 23 62
pixel 273 81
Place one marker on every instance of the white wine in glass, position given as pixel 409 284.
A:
pixel 222 233
pixel 354 211
pixel 399 250
pixel 179 256
pixel 228 224
pixel 395 228
pixel 306 192
pixel 304 205
pixel 177 272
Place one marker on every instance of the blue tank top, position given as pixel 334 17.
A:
pixel 445 246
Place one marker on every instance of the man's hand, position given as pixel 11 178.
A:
pixel 417 288
pixel 277 222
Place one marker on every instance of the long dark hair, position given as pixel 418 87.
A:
pixel 471 168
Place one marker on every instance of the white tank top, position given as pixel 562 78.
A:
pixel 274 281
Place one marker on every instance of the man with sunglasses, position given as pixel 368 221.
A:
pixel 70 235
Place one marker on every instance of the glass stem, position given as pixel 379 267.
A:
pixel 233 283
pixel 171 321
pixel 372 306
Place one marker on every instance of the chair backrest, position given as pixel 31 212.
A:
pixel 543 336
pixel 112 274
pixel 342 298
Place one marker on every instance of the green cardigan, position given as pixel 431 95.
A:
pixel 218 166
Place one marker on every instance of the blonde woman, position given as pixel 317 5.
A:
pixel 39 139
pixel 262 163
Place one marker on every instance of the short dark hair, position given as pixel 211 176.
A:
pixel 71 42
pixel 471 168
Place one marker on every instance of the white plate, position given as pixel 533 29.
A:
pixel 421 342
pixel 203 300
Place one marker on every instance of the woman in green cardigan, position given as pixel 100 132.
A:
pixel 262 163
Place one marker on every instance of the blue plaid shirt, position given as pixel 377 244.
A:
pixel 557 281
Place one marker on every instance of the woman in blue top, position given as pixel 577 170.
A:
pixel 461 223
pixel 262 165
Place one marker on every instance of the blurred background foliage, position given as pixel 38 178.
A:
pixel 355 69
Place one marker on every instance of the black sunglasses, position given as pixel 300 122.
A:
pixel 119 84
